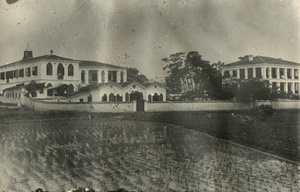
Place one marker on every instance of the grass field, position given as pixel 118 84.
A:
pixel 107 153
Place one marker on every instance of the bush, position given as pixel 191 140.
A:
pixel 262 112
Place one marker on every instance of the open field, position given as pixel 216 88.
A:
pixel 108 153
pixel 278 134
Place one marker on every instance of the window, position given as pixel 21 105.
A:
pixel 82 77
pixel 70 70
pixel 81 100
pixel 234 73
pixel 242 73
pixel 112 97
pixel 104 97
pixel 250 73
pixel 49 69
pixel 149 97
pixel 289 73
pixel 50 92
pixel 60 71
pixel 258 72
pixel 2 76
pixel 126 97
pixel 34 71
pixel 16 74
pixel 21 72
pixel 226 74
pixel 122 76
pixel 94 77
pixel 274 75
pixel 119 97
pixel 27 72
pixel 281 73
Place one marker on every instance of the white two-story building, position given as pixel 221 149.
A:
pixel 281 73
pixel 64 77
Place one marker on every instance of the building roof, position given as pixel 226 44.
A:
pixel 51 57
pixel 96 64
pixel 121 85
pixel 260 60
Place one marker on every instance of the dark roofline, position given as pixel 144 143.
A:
pixel 96 63
pixel 260 60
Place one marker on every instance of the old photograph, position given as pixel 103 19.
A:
pixel 149 96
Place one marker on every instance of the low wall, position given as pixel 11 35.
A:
pixel 3 99
pixel 216 105
pixel 153 106
pixel 88 107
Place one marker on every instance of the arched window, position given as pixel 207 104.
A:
pixel 149 97
pixel 102 77
pixel 119 97
pixel 60 71
pixel 111 97
pixel 161 98
pixel 126 97
pixel 82 76
pixel 70 89
pixel 70 70
pixel 122 76
pixel 49 69
pixel 155 97
pixel 104 97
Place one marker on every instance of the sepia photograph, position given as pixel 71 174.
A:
pixel 149 96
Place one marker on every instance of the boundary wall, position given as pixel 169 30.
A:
pixel 86 107
pixel 120 107
pixel 216 105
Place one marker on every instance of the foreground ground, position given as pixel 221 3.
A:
pixel 107 153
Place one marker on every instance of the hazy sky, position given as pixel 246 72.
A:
pixel 139 33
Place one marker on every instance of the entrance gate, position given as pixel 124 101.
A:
pixel 138 96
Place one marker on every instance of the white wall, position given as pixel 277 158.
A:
pixel 88 107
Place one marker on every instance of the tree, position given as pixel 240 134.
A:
pixel 182 67
pixel 176 72
pixel 33 87
pixel 253 90
pixel 133 75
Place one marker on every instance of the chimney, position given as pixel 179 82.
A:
pixel 27 53
pixel 250 57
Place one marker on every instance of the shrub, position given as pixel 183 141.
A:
pixel 262 112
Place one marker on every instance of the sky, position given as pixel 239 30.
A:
pixel 139 33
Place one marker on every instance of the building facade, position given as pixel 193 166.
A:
pixel 281 73
pixel 63 77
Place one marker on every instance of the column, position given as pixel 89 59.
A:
pixel 106 76
pixel 246 73
pixel 293 87
pixel 254 72
pixel 118 76
pixel 270 73
pixel 277 73
pixel 263 72
pixel 285 73
pixel 125 76
pixel 99 76
pixel 293 73
pixel 86 77
pixel 238 74
pixel 285 87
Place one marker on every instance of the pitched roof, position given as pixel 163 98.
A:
pixel 51 57
pixel 96 64
pixel 262 59
pixel 43 57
